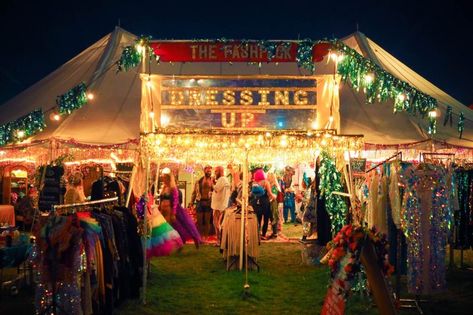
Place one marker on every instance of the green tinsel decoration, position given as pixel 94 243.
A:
pixel 264 167
pixel 448 116
pixel 131 57
pixel 461 124
pixel 355 68
pixel 270 48
pixel 73 99
pixel 432 125
pixel 331 181
pixel 22 128
pixel 304 55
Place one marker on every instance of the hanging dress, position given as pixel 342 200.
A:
pixel 425 218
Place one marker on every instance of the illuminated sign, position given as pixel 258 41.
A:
pixel 237 100
pixel 239 94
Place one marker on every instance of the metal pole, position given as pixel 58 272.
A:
pixel 244 207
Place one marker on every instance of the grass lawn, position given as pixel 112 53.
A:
pixel 196 282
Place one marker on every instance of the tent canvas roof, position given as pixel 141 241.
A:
pixel 112 117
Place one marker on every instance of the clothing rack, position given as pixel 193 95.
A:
pixel 88 203
pixel 385 161
pixel 54 307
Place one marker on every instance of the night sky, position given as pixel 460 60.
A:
pixel 433 39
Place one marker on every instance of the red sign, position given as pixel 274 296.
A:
pixel 230 52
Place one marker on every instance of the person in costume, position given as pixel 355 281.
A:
pixel 180 219
pixel 163 239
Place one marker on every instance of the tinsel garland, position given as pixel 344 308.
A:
pixel 382 85
pixel 73 99
pixel 344 254
pixel 132 55
pixel 432 125
pixel 448 116
pixel 461 124
pixel 264 167
pixel 331 181
pixel 22 128
pixel 304 57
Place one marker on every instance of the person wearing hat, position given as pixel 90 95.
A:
pixel 74 193
pixel 201 196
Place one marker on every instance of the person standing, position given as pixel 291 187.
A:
pixel 75 192
pixel 201 196
pixel 220 196
pixel 173 212
pixel 262 197
pixel 274 204
pixel 289 196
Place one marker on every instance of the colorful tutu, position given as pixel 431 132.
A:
pixel 185 226
pixel 183 223
pixel 164 239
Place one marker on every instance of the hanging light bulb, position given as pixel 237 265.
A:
pixel 433 113
pixel 54 116
pixel 149 84
pixel 20 134
pixel 165 119
pixel 314 125
pixel 369 78
pixel 90 96
pixel 401 97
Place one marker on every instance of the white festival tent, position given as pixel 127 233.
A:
pixel 113 116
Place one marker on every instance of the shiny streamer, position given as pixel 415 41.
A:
pixel 448 116
pixel 461 124
pixel 73 99
pixel 22 128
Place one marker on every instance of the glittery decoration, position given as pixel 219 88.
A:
pixel 425 220
pixel 270 48
pixel 380 85
pixel 432 125
pixel 22 128
pixel 448 116
pixel 129 59
pixel 132 55
pixel 73 99
pixel 461 124
pixel 141 207
pixel 344 257
pixel 330 181
pixel 304 55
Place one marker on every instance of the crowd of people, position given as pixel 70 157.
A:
pixel 272 197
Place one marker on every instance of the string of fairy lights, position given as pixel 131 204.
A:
pixel 361 73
